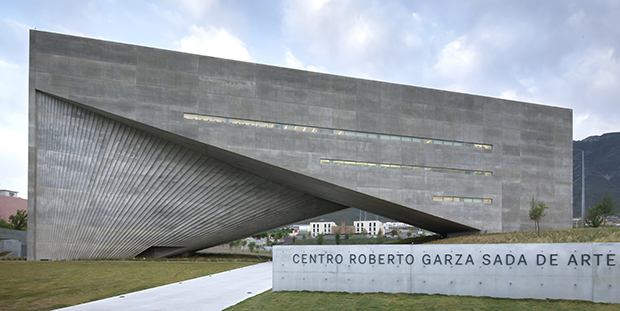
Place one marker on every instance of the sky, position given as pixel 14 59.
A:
pixel 560 53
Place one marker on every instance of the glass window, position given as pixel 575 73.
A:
pixel 303 128
pixel 459 199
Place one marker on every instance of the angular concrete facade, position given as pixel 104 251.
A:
pixel 135 150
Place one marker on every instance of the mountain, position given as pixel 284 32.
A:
pixel 349 215
pixel 602 169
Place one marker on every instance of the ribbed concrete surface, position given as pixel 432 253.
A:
pixel 110 190
pixel 213 292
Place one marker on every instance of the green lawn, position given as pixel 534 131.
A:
pixel 379 301
pixel 51 285
pixel 28 285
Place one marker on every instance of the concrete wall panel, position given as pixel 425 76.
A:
pixel 582 271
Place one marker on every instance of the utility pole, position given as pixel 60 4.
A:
pixel 583 190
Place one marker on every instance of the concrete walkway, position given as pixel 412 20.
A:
pixel 212 292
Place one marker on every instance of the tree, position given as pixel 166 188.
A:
pixel 320 239
pixel 607 207
pixel 337 237
pixel 537 212
pixel 346 238
pixel 594 217
pixel 251 246
pixel 395 232
pixel 19 221
pixel 379 239
pixel 4 224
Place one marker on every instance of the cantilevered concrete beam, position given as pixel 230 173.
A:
pixel 135 149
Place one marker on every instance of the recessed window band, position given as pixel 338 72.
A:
pixel 459 199
pixel 405 167
pixel 303 128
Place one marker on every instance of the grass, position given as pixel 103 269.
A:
pixel 52 285
pixel 380 301
pixel 31 285
pixel 577 235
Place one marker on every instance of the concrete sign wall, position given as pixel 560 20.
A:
pixel 584 271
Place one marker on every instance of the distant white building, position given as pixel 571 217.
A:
pixel 321 227
pixel 301 229
pixel 8 193
pixel 388 226
pixel 371 226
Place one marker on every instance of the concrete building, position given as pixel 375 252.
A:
pixel 299 230
pixel 8 193
pixel 134 149
pixel 369 226
pixel 322 227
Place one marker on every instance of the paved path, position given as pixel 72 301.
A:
pixel 212 292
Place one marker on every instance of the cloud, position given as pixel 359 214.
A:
pixel 214 42
pixel 590 124
pixel 554 53
pixel 15 25
pixel 14 154
pixel 355 38
pixel 457 62
pixel 4 64
pixel 198 8
pixel 13 40
pixel 13 128
pixel 292 62
pixel 13 90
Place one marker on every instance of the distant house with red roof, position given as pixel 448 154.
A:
pixel 10 204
